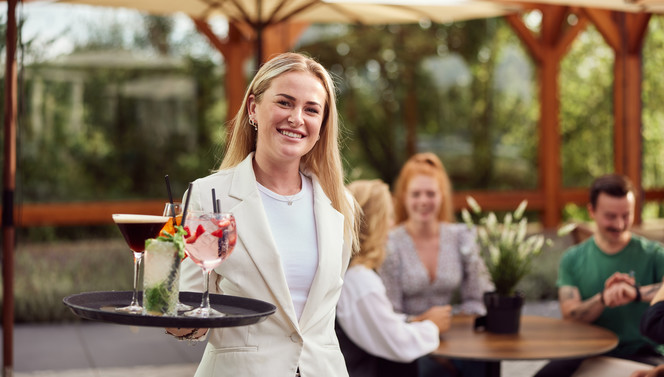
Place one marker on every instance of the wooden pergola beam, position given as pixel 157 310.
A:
pixel 547 50
pixel 625 33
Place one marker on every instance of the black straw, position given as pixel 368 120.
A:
pixel 214 201
pixel 218 210
pixel 170 198
pixel 186 204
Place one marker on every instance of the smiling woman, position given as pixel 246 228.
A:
pixel 282 180
pixel 429 258
pixel 288 118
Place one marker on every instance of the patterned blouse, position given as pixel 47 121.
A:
pixel 460 267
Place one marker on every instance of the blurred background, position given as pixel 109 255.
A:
pixel 112 99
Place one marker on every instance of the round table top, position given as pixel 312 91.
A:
pixel 538 338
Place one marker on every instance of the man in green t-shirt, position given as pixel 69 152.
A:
pixel 609 279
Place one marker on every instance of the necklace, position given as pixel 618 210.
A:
pixel 291 198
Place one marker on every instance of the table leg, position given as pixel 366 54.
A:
pixel 492 368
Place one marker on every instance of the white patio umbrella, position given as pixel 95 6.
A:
pixel 267 12
pixel 260 14
pixel 634 6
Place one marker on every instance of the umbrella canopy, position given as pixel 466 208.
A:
pixel 260 13
pixel 634 6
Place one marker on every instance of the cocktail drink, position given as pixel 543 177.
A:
pixel 174 211
pixel 161 273
pixel 136 229
pixel 211 239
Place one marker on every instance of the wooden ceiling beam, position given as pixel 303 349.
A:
pixel 604 22
pixel 526 36
pixel 637 26
pixel 570 35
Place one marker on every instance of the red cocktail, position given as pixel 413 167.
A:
pixel 211 239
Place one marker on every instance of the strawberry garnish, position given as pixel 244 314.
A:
pixel 199 230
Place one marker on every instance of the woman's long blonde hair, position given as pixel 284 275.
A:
pixel 377 214
pixel 427 164
pixel 324 159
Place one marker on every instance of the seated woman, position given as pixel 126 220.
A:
pixel 374 340
pixel 431 259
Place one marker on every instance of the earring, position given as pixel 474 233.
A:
pixel 253 123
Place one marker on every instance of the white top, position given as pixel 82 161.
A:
pixel 366 316
pixel 293 228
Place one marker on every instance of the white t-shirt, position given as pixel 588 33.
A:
pixel 293 228
pixel 366 316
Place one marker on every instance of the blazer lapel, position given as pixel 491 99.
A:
pixel 257 237
pixel 329 228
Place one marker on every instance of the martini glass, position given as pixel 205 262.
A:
pixel 136 229
pixel 170 210
pixel 211 240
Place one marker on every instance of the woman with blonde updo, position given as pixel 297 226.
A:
pixel 374 339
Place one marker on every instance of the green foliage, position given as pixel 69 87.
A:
pixel 461 86
pixel 653 114
pixel 46 273
pixel 111 119
pixel 586 110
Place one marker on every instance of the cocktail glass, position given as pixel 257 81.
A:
pixel 136 229
pixel 212 237
pixel 161 272
pixel 170 210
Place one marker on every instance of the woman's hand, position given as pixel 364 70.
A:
pixel 186 333
pixel 654 372
pixel 441 316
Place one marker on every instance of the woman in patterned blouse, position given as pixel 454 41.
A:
pixel 431 259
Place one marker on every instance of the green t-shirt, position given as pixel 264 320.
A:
pixel 586 267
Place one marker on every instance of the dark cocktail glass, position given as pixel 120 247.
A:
pixel 136 229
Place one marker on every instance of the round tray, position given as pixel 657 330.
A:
pixel 100 306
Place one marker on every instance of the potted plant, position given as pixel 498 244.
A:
pixel 508 253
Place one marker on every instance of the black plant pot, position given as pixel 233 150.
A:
pixel 503 313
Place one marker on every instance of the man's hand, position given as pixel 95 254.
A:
pixel 619 277
pixel 619 294
pixel 619 290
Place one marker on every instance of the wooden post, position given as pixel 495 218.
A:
pixel 9 184
pixel 625 33
pixel 547 51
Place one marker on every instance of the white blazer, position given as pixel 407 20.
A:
pixel 280 344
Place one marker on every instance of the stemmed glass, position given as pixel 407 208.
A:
pixel 136 229
pixel 170 210
pixel 211 240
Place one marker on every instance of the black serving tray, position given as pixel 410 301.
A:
pixel 100 306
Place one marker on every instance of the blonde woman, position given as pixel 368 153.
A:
pixel 374 339
pixel 282 179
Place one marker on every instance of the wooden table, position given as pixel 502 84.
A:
pixel 538 338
